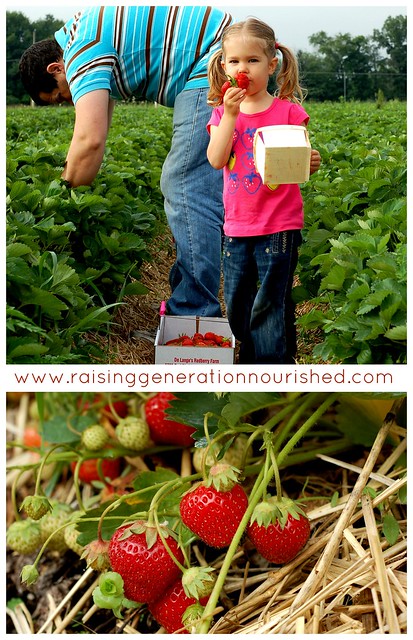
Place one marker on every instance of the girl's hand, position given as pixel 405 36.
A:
pixel 315 161
pixel 232 100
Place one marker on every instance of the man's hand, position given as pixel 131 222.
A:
pixel 85 155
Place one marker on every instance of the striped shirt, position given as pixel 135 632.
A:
pixel 152 53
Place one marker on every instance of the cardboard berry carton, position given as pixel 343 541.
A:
pixel 171 348
pixel 282 154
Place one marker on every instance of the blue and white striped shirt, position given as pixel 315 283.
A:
pixel 152 53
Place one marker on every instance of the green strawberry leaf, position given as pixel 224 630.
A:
pixel 391 528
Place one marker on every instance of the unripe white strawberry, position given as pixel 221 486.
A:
pixel 94 437
pixel 133 433
pixel 24 536
pixel 50 523
pixel 70 534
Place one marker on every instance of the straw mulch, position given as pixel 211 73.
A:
pixel 347 580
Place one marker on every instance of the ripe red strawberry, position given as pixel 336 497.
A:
pixel 32 437
pixel 170 607
pixel 225 87
pixel 89 469
pixel 137 553
pixel 163 430
pixel 231 82
pixel 279 529
pixel 121 409
pixel 242 80
pixel 213 515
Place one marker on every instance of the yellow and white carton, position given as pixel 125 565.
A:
pixel 282 154
pixel 171 327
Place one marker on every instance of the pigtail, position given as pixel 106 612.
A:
pixel 216 78
pixel 288 80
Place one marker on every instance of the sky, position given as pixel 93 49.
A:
pixel 293 24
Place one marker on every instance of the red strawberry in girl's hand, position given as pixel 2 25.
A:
pixel 225 87
pixel 137 553
pixel 163 430
pixel 170 607
pixel 242 80
pixel 279 529
pixel 231 82
pixel 213 514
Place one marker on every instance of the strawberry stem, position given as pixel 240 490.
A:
pixel 260 485
pixel 165 544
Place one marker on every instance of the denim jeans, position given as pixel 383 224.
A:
pixel 258 279
pixel 192 190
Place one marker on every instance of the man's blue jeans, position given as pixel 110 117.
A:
pixel 193 204
pixel 258 279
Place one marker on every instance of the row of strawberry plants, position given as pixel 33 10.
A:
pixel 353 260
pixel 73 254
pixel 138 531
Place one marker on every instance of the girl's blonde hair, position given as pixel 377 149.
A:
pixel 287 79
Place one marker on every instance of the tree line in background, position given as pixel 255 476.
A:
pixel 340 67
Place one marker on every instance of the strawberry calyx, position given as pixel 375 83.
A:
pixel 192 616
pixel 198 582
pixel 96 554
pixel 276 510
pixel 152 532
pixel 222 476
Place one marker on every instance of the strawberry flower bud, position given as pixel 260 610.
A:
pixel 29 574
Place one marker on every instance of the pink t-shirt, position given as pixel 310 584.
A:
pixel 251 207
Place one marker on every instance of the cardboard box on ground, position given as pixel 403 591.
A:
pixel 171 327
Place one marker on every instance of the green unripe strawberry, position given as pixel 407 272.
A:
pixel 35 507
pixel 51 522
pixel 198 582
pixel 133 433
pixel 24 536
pixel 94 437
pixel 233 456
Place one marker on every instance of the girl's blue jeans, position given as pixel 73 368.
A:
pixel 192 190
pixel 258 280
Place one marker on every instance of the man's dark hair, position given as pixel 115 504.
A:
pixel 33 68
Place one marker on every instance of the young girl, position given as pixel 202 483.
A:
pixel 262 223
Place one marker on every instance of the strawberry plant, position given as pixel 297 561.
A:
pixel 353 259
pixel 73 254
pixel 175 547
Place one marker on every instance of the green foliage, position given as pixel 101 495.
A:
pixel 353 260
pixel 73 254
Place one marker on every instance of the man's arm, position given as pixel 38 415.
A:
pixel 85 155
